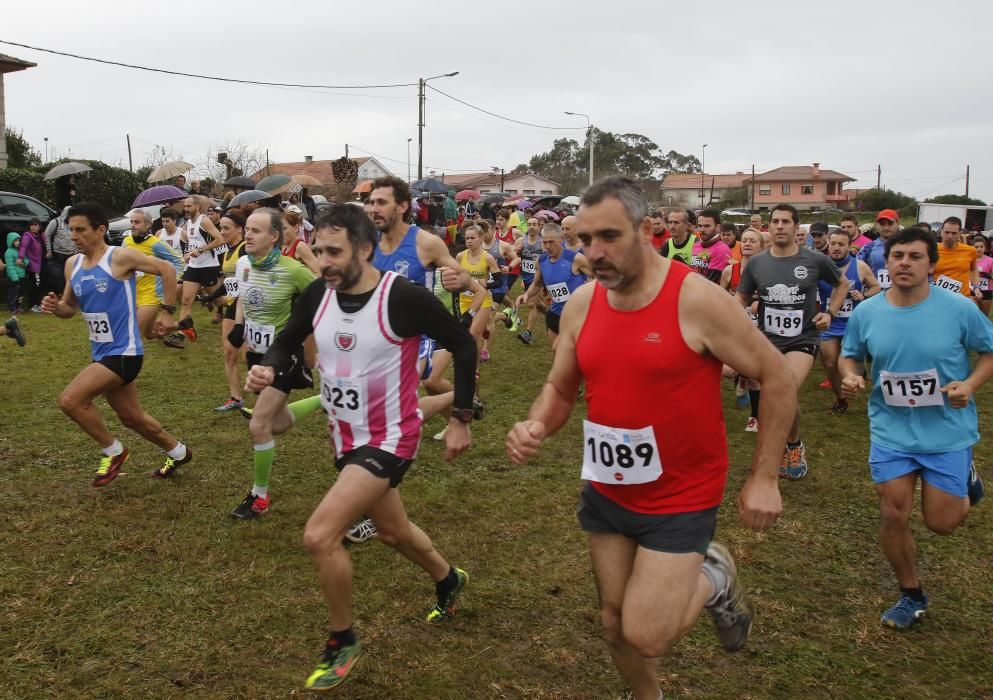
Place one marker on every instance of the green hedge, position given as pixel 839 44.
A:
pixel 114 188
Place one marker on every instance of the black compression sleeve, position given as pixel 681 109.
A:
pixel 297 328
pixel 413 311
pixel 496 280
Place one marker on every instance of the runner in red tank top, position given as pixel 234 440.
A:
pixel 650 339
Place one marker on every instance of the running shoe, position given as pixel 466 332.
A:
pixel 251 507
pixel 171 465
pixel 826 384
pixel 362 531
pixel 191 334
pixel 976 488
pixel 478 409
pixel 525 337
pixel 753 425
pixel 218 317
pixel 109 468
pixel 732 611
pixel 784 465
pixel 796 462
pixel 742 400
pixel 445 607
pixel 14 331
pixel 439 437
pixel 230 405
pixel 484 356
pixel 839 407
pixel 508 318
pixel 246 412
pixel 36 309
pixel 334 666
pixel 175 340
pixel 905 614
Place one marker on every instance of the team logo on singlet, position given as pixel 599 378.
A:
pixel 101 285
pixel 255 298
pixel 800 272
pixel 344 341
pixel 783 294
pixel 77 289
pixel 402 267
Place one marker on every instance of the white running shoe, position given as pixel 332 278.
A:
pixel 362 531
pixel 753 425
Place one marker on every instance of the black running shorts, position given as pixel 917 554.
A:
pixel 204 276
pixel 804 346
pixel 673 533
pixel 126 367
pixel 298 376
pixel 552 322
pixel 377 462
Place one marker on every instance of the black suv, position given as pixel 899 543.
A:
pixel 16 212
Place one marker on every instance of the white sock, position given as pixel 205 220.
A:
pixel 115 448
pixel 718 579
pixel 178 452
pixel 260 491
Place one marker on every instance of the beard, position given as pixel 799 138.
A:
pixel 348 276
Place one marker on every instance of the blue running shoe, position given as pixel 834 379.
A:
pixel 796 462
pixel 976 488
pixel 905 613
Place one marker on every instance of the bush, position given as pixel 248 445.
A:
pixel 115 188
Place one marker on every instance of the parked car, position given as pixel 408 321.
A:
pixel 737 211
pixel 120 226
pixel 832 212
pixel 16 212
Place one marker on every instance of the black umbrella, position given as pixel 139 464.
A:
pixel 493 199
pixel 240 181
pixel 429 184
pixel 248 196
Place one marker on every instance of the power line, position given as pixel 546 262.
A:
pixel 204 77
pixel 500 116
pixel 432 167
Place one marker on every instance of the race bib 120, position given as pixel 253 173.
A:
pixel 527 266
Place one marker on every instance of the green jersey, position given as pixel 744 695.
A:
pixel 267 297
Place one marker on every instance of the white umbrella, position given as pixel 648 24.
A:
pixel 571 200
pixel 169 170
pixel 71 168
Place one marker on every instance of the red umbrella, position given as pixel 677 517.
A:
pixel 467 194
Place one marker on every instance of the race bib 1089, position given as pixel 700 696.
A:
pixel 620 455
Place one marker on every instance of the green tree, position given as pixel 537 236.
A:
pixel 956 199
pixel 876 199
pixel 737 197
pixel 19 151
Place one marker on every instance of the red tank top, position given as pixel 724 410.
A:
pixel 509 238
pixel 640 372
pixel 290 251
pixel 735 277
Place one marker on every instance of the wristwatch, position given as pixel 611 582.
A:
pixel 463 415
pixel 170 308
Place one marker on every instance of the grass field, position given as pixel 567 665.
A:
pixel 148 589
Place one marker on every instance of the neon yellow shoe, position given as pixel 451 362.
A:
pixel 445 607
pixel 334 667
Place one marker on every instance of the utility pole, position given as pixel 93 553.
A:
pixel 130 162
pixel 967 180
pixel 752 207
pixel 703 171
pixel 502 181
pixel 589 137
pixel 879 177
pixel 346 150
pixel 267 161
pixel 421 84
pixel 408 158
pixel 46 149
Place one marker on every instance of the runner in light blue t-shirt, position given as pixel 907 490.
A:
pixel 922 418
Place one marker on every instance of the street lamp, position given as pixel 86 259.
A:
pixel 46 149
pixel 703 171
pixel 421 83
pixel 408 157
pixel 589 137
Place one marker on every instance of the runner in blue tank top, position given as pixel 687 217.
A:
pixel 100 283
pixel 560 272
pixel 862 284
pixel 528 249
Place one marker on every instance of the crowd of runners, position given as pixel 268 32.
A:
pixel 361 313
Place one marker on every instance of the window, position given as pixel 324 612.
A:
pixel 511 191
pixel 12 205
pixel 528 191
pixel 786 189
pixel 806 189
pixel 765 190
pixel 547 192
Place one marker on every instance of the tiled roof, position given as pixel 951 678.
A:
pixel 321 169
pixel 691 181
pixel 789 173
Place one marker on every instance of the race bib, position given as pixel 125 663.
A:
pixel 620 455
pixel 911 389
pixel 884 278
pixel 846 309
pixel 342 398
pixel 785 322
pixel 259 337
pixel 231 287
pixel 99 328
pixel 946 282
pixel 559 292
pixel 984 284
pixel 527 266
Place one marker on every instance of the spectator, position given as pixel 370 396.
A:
pixel 30 256
pixel 15 272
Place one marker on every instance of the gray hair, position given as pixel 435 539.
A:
pixel 275 221
pixel 552 229
pixel 624 189
pixel 144 214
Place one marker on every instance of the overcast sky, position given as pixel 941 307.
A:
pixel 849 84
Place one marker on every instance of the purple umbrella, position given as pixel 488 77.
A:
pixel 550 214
pixel 524 204
pixel 158 195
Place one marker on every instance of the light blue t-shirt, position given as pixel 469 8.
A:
pixel 933 336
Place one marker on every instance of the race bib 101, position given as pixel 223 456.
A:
pixel 620 455
pixel 785 322
pixel 259 337
pixel 911 389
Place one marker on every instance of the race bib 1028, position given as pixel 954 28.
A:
pixel 559 292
